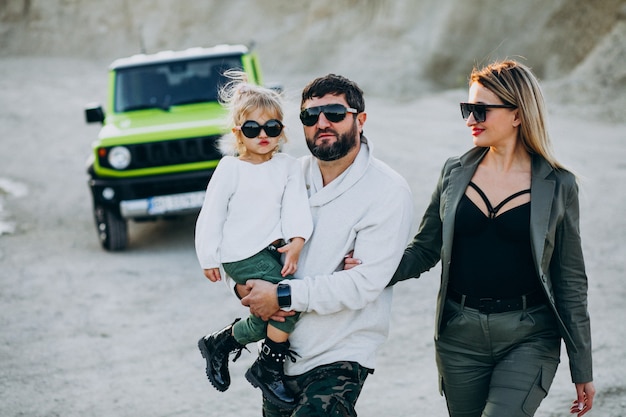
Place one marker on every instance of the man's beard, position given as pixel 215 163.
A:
pixel 345 142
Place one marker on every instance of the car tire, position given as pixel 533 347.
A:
pixel 112 229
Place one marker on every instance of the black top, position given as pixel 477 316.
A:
pixel 491 255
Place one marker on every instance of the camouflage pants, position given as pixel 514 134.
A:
pixel 328 390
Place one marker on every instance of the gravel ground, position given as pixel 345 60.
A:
pixel 86 332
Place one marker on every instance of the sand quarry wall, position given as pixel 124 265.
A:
pixel 398 48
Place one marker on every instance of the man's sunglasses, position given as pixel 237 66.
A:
pixel 333 112
pixel 252 129
pixel 480 110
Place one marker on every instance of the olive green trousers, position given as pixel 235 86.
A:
pixel 264 265
pixel 495 365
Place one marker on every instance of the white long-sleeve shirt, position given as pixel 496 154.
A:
pixel 346 314
pixel 248 206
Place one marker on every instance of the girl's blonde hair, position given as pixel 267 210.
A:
pixel 242 98
pixel 515 84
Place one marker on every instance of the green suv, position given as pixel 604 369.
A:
pixel 158 145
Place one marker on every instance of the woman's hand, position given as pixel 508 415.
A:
pixel 584 401
pixel 349 262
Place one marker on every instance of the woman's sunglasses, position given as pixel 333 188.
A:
pixel 252 129
pixel 480 110
pixel 333 112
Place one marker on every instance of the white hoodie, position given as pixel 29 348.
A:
pixel 346 314
pixel 248 206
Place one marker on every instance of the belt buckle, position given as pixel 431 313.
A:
pixel 486 305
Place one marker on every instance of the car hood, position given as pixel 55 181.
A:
pixel 157 124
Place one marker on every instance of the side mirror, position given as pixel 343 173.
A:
pixel 94 113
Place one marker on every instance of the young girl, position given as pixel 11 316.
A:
pixel 256 208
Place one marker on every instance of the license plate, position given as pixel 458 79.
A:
pixel 175 203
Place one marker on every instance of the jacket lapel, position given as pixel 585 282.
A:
pixel 542 195
pixel 457 184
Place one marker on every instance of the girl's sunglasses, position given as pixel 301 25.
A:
pixel 333 112
pixel 480 110
pixel 252 129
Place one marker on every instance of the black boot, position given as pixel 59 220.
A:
pixel 215 348
pixel 268 373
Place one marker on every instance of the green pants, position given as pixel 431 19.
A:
pixel 326 391
pixel 494 365
pixel 264 265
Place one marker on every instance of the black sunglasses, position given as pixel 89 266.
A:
pixel 333 112
pixel 252 129
pixel 480 110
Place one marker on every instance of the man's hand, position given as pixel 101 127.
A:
pixel 243 291
pixel 262 299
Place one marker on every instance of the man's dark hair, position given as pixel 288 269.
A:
pixel 335 85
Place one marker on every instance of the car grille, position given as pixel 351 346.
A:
pixel 167 185
pixel 166 153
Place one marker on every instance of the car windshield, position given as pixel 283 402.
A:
pixel 173 83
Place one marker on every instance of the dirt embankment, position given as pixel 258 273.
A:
pixel 395 49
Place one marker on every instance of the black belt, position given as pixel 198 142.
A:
pixel 278 243
pixel 272 248
pixel 491 305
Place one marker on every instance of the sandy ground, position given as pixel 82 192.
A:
pixel 84 332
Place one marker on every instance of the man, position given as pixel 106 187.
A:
pixel 359 205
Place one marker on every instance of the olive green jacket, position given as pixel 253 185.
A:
pixel 555 241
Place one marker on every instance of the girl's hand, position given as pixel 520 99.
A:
pixel 292 254
pixel 291 261
pixel 213 274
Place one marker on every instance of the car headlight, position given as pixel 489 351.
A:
pixel 119 157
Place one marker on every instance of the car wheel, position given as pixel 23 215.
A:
pixel 112 229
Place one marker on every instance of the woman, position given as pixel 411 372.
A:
pixel 504 221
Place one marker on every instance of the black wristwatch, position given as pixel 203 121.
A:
pixel 283 291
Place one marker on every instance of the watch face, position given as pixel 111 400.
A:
pixel 283 291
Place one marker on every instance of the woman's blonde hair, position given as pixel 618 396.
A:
pixel 242 98
pixel 515 84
